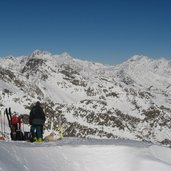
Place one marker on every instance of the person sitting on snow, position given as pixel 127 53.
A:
pixel 16 122
pixel 15 125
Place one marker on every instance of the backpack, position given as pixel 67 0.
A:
pixel 14 120
pixel 17 136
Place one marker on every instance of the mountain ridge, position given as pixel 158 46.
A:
pixel 129 100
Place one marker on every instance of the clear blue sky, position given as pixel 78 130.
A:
pixel 106 31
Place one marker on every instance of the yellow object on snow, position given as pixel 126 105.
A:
pixel 60 133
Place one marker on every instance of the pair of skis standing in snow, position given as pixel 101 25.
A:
pixel 14 122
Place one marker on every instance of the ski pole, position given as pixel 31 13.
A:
pixel 23 126
pixel 4 122
pixel 1 121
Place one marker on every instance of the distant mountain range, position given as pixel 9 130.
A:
pixel 130 100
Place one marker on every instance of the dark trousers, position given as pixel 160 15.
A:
pixel 37 131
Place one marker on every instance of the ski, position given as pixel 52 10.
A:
pixel 8 118
pixel 1 121
pixel 60 128
pixel 10 114
pixel 60 133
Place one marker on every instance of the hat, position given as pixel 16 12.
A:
pixel 37 103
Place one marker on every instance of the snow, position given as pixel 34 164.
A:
pixel 75 154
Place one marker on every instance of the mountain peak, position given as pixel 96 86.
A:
pixel 39 53
pixel 65 55
pixel 138 58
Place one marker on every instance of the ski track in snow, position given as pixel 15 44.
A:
pixel 75 154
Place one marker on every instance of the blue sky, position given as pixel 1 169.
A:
pixel 106 31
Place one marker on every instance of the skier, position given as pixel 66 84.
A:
pixel 16 121
pixel 16 133
pixel 37 120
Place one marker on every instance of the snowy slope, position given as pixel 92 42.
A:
pixel 131 100
pixel 73 154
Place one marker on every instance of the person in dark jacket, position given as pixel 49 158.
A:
pixel 37 120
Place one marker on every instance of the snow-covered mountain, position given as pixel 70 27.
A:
pixel 130 100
